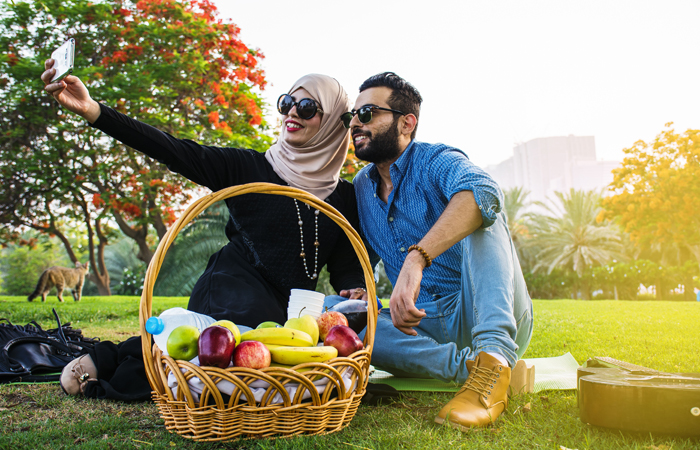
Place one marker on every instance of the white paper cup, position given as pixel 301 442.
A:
pixel 313 294
pixel 294 313
pixel 311 301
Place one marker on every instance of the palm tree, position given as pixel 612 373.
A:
pixel 569 236
pixel 514 206
pixel 187 258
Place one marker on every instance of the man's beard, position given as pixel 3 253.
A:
pixel 382 147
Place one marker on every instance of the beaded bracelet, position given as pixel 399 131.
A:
pixel 428 259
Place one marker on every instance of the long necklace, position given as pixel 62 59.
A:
pixel 316 244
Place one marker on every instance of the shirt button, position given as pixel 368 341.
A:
pixel 402 249
pixel 479 205
pixel 391 219
pixel 376 195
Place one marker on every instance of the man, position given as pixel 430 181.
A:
pixel 459 310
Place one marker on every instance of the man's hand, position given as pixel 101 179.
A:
pixel 404 313
pixel 352 294
pixel 70 93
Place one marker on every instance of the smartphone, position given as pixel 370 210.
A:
pixel 64 60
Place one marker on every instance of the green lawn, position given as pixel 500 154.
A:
pixel 661 335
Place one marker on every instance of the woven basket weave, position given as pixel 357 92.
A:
pixel 216 418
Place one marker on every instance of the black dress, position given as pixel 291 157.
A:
pixel 249 279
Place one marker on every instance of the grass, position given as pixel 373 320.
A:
pixel 661 335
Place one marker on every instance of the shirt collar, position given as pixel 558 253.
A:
pixel 398 168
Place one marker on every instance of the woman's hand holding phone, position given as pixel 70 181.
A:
pixel 70 93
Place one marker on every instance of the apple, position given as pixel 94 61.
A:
pixel 305 323
pixel 216 344
pixel 231 326
pixel 328 320
pixel 344 340
pixel 182 342
pixel 252 354
pixel 269 324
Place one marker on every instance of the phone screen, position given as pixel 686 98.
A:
pixel 64 60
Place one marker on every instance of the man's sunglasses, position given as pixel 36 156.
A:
pixel 306 107
pixel 364 114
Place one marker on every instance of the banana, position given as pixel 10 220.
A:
pixel 278 336
pixel 299 355
pixel 271 346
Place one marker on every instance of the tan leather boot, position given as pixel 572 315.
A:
pixel 483 397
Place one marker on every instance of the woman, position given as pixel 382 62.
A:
pixel 275 243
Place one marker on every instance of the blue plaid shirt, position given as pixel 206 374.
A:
pixel 425 177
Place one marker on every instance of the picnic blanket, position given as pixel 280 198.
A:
pixel 556 373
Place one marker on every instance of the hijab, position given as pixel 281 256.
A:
pixel 315 166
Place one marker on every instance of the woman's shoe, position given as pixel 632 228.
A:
pixel 76 375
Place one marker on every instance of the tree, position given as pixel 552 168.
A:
pixel 514 205
pixel 656 191
pixel 187 258
pixel 169 63
pixel 570 237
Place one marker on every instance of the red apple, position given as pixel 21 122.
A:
pixel 344 340
pixel 216 345
pixel 252 354
pixel 328 320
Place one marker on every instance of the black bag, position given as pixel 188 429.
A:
pixel 32 354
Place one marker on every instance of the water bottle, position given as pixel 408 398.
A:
pixel 161 326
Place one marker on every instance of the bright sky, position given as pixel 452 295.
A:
pixel 493 74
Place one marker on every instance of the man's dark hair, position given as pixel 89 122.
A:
pixel 404 97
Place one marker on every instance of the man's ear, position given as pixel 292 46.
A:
pixel 408 124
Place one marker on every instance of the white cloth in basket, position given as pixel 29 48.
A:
pixel 258 387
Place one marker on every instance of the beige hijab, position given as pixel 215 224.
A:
pixel 315 166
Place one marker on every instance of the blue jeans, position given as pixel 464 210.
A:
pixel 492 312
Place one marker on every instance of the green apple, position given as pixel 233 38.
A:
pixel 305 323
pixel 231 326
pixel 269 324
pixel 183 342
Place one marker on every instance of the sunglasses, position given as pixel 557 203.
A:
pixel 306 107
pixel 364 114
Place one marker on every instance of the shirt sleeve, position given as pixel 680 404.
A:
pixel 450 171
pixel 213 167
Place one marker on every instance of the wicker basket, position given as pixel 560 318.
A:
pixel 214 418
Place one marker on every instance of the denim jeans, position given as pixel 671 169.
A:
pixel 492 312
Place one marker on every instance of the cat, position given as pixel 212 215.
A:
pixel 61 277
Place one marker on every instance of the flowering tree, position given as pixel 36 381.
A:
pixel 657 191
pixel 172 64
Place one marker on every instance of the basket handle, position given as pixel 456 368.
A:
pixel 251 188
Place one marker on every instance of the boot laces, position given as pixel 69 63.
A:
pixel 481 380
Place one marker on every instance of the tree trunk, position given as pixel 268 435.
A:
pixel 138 235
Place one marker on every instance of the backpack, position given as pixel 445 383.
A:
pixel 31 354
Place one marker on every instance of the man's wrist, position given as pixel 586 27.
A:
pixel 415 258
pixel 416 249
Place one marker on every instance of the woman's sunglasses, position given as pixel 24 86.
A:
pixel 364 114
pixel 306 107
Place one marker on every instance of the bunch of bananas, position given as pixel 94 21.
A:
pixel 290 347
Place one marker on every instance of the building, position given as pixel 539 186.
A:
pixel 543 166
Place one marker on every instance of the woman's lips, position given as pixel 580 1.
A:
pixel 293 126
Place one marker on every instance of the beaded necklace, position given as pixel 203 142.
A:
pixel 316 244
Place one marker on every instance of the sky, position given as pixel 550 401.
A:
pixel 496 73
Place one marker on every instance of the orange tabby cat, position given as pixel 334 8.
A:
pixel 61 277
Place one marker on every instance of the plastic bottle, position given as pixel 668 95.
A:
pixel 161 326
